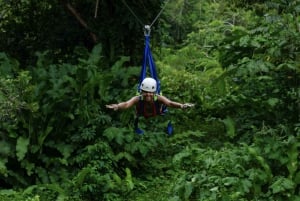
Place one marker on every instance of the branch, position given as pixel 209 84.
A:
pixel 80 20
pixel 96 9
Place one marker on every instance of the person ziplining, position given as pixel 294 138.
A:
pixel 149 102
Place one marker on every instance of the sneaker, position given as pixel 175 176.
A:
pixel 139 131
pixel 170 129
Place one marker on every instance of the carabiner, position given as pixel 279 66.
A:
pixel 147 30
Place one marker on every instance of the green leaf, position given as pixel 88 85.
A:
pixel 125 155
pixel 246 185
pixel 7 192
pixel 115 134
pixel 293 154
pixel 42 136
pixel 95 55
pixel 128 179
pixel 22 147
pixel 143 149
pixel 178 158
pixel 282 184
pixel 188 190
pixel 7 65
pixel 3 169
pixel 116 178
pixel 230 126
pixel 297 178
pixel 228 181
pixel 81 177
pixel 273 101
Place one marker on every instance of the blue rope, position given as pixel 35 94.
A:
pixel 148 61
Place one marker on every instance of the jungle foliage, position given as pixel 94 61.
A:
pixel 239 61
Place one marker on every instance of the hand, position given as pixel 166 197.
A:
pixel 187 105
pixel 113 106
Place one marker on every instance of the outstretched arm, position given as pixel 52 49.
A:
pixel 174 104
pixel 124 105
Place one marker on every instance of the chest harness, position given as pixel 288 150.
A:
pixel 148 109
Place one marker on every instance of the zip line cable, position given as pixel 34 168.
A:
pixel 160 12
pixel 139 20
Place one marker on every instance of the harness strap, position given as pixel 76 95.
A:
pixel 142 110
pixel 148 62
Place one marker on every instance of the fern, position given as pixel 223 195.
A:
pixel 81 176
pixel 115 134
pixel 124 155
pixel 282 184
pixel 178 158
pixel 53 187
pixel 88 133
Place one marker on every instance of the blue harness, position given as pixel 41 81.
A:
pixel 148 61
pixel 155 108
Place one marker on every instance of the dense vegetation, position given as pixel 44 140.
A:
pixel 61 62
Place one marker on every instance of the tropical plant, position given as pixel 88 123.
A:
pixel 237 60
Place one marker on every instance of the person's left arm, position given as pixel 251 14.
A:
pixel 173 104
pixel 169 102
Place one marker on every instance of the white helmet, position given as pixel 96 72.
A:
pixel 149 85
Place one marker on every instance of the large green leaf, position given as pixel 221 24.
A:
pixel 22 147
pixel 230 127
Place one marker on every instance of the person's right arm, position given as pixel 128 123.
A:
pixel 124 105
